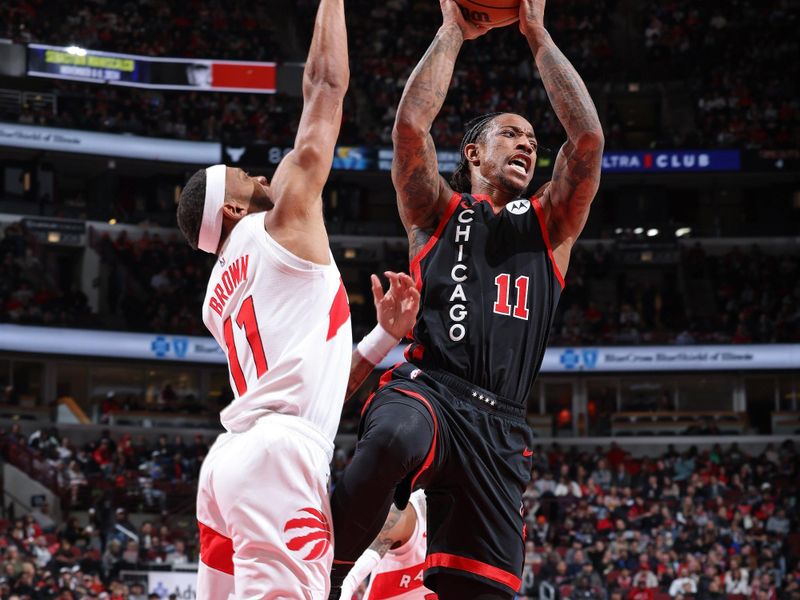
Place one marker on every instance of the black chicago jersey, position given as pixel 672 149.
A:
pixel 489 288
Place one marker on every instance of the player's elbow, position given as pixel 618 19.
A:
pixel 326 82
pixel 590 142
pixel 307 154
pixel 406 128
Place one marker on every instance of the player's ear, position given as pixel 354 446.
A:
pixel 472 154
pixel 233 210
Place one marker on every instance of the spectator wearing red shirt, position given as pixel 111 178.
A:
pixel 641 592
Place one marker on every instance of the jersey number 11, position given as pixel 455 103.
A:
pixel 247 319
pixel 502 306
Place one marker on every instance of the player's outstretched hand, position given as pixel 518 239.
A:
pixel 531 16
pixel 397 308
pixel 451 13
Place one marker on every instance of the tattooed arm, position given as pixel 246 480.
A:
pixel 422 194
pixel 396 531
pixel 576 173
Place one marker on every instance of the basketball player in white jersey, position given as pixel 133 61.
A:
pixel 277 306
pixel 395 561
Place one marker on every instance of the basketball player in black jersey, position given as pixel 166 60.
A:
pixel 489 263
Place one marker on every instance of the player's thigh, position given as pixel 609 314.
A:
pixel 273 496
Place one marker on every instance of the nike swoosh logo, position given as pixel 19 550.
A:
pixel 527 452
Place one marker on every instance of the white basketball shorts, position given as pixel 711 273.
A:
pixel 264 514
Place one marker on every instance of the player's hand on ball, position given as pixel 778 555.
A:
pixel 451 13
pixel 397 309
pixel 531 16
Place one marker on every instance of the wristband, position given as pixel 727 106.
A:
pixel 377 344
pixel 363 567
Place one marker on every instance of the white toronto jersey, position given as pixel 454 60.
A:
pixel 398 575
pixel 284 325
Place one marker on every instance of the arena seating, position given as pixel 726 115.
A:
pixel 752 296
pixel 743 101
pixel 671 514
pixel 713 517
pixel 677 423
pixel 596 520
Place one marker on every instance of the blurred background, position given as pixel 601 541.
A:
pixel 668 407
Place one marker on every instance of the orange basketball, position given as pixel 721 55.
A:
pixel 490 12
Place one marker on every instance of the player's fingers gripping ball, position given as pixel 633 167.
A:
pixel 490 13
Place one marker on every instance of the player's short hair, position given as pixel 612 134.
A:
pixel 476 132
pixel 190 207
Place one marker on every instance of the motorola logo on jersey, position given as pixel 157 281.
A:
pixel 308 534
pixel 518 207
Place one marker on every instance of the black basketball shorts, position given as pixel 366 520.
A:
pixel 474 475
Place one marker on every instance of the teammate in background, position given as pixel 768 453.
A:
pixel 489 263
pixel 396 559
pixel 277 306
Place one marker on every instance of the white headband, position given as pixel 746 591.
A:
pixel 211 227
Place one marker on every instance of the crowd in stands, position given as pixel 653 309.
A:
pixel 493 73
pixel 82 559
pixel 127 472
pixel 231 29
pixel 235 118
pixel 100 483
pixel 739 58
pixel 34 290
pixel 709 525
pixel 734 61
pixel 601 524
pixel 753 297
pixel 156 284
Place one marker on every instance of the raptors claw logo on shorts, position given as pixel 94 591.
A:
pixel 308 534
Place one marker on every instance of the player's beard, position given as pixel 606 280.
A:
pixel 510 186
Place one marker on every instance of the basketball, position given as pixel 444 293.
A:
pixel 490 12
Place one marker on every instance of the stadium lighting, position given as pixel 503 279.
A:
pixel 618 231
pixel 112 221
pixel 639 230
pixel 76 50
pixel 683 231
pixel 652 232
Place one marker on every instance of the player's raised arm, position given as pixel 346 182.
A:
pixel 422 194
pixel 299 179
pixel 576 173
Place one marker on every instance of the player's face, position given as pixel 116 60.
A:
pixel 508 153
pixel 251 193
